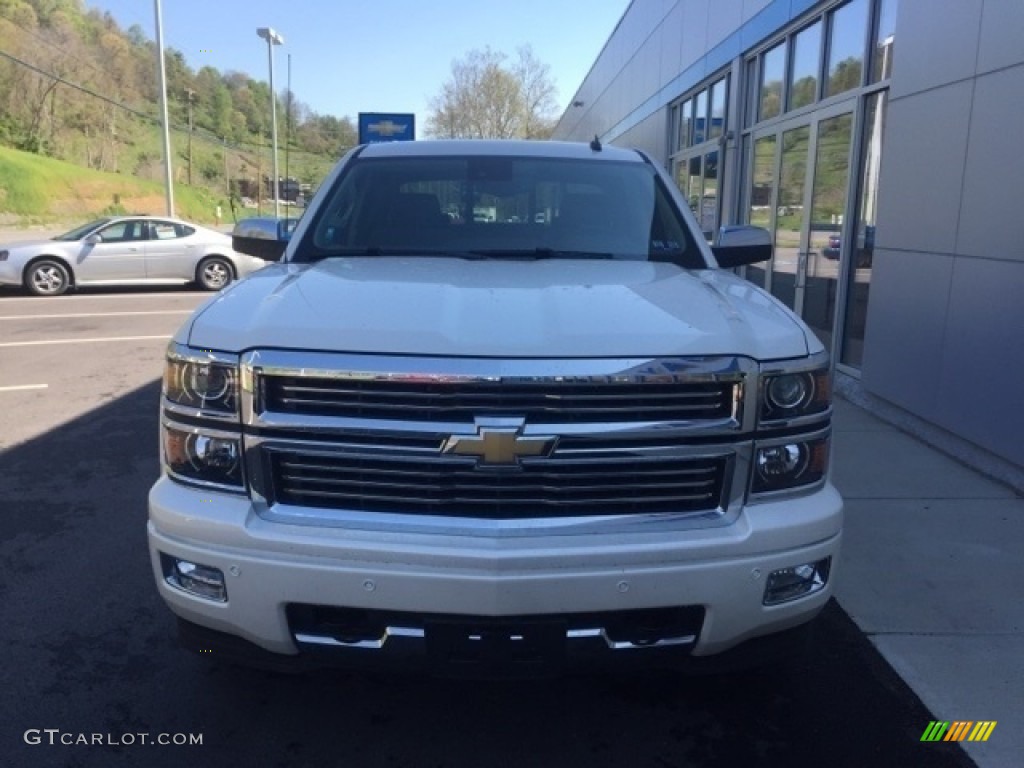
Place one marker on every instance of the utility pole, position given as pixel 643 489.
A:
pixel 259 177
pixel 190 94
pixel 273 38
pixel 162 79
pixel 288 126
pixel 227 175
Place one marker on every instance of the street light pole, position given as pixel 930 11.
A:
pixel 162 75
pixel 273 38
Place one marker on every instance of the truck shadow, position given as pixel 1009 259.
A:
pixel 91 649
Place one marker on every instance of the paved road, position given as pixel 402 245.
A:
pixel 89 646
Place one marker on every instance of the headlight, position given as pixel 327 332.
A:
pixel 201 384
pixel 204 456
pixel 784 465
pixel 791 395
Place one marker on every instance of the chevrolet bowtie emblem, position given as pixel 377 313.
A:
pixel 499 446
pixel 387 128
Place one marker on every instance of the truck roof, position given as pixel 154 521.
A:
pixel 496 147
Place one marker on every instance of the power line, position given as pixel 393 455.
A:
pixel 54 45
pixel 203 132
pixel 78 87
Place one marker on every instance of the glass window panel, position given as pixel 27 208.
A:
pixel 803 85
pixel 717 99
pixel 790 212
pixel 760 196
pixel 749 109
pixel 700 117
pixel 828 206
pixel 882 67
pixel 859 266
pixel 685 123
pixel 693 184
pixel 846 47
pixel 762 182
pixel 709 200
pixel 773 67
pixel 682 178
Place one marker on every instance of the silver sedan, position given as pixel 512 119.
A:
pixel 126 250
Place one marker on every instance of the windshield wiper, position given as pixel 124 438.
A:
pixel 536 254
pixel 524 254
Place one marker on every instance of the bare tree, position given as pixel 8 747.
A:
pixel 539 104
pixel 486 99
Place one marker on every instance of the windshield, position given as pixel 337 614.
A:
pixel 79 232
pixel 501 208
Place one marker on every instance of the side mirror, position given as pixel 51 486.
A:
pixel 737 246
pixel 93 239
pixel 260 238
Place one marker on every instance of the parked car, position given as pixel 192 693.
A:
pixel 122 250
pixel 865 246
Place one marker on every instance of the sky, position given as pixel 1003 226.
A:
pixel 373 56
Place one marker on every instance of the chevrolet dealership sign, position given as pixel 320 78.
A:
pixel 375 127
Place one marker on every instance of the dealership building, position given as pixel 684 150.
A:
pixel 880 142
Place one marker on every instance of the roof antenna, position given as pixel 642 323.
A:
pixel 595 144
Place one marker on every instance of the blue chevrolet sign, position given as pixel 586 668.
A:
pixel 375 127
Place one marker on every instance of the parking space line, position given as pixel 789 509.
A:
pixel 79 296
pixel 99 314
pixel 23 387
pixel 47 342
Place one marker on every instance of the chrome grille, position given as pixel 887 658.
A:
pixel 548 401
pixel 550 487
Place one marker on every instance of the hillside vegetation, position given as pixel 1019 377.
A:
pixel 36 189
pixel 76 87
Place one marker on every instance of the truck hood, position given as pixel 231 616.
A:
pixel 554 308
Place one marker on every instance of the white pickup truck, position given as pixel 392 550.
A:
pixel 565 435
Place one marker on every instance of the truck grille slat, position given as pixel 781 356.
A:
pixel 360 467
pixel 441 486
pixel 550 401
pixel 303 482
pixel 446 506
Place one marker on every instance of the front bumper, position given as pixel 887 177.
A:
pixel 270 568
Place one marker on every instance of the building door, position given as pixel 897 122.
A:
pixel 798 188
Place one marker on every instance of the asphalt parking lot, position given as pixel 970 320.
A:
pixel 90 649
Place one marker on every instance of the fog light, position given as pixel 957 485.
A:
pixel 788 584
pixel 200 580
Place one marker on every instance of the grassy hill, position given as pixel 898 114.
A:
pixel 41 190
